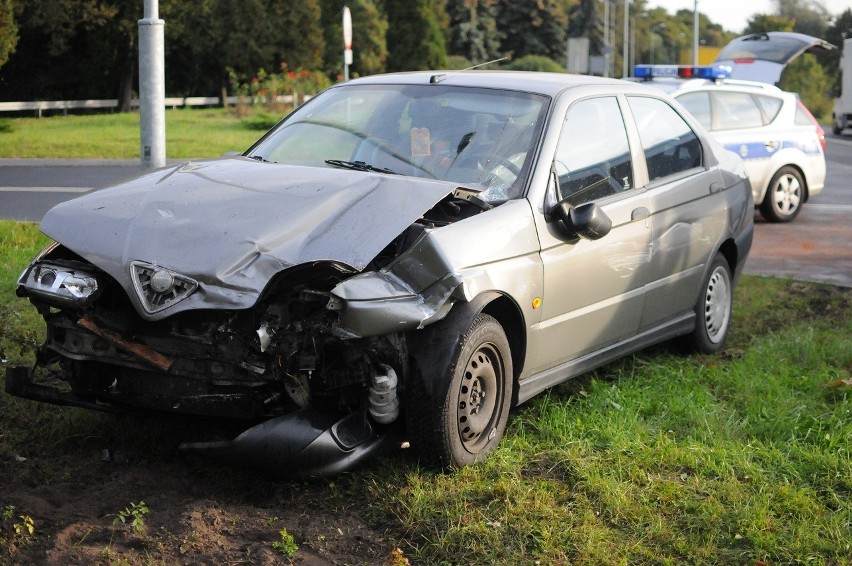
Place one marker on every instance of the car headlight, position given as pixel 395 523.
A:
pixel 60 284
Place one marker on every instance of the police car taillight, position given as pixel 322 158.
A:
pixel 709 72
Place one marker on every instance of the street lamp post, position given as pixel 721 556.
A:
pixel 695 32
pixel 152 88
pixel 624 39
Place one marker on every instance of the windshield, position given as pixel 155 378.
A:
pixel 479 138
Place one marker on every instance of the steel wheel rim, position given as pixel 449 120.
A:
pixel 479 398
pixel 717 305
pixel 787 194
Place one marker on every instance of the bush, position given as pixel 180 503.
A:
pixel 807 77
pixel 277 92
pixel 536 63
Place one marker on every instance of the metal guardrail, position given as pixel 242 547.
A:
pixel 39 106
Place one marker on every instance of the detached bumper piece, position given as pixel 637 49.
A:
pixel 19 382
pixel 304 444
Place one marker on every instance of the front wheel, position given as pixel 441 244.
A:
pixel 785 195
pixel 466 419
pixel 713 309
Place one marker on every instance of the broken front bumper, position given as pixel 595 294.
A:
pixel 305 444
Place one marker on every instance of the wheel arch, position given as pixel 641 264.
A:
pixel 432 348
pixel 729 251
pixel 507 312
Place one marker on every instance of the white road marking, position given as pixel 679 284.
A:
pixel 830 207
pixel 45 189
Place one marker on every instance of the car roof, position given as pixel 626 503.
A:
pixel 549 84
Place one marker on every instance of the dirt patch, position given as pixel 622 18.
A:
pixel 194 514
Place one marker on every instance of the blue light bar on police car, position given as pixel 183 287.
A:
pixel 709 72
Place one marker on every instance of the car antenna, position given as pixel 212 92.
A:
pixel 487 63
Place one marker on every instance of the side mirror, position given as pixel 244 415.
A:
pixel 585 221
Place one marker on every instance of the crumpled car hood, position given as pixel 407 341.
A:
pixel 233 223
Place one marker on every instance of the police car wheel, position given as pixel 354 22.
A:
pixel 785 196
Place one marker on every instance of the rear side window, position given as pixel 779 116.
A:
pixel 593 158
pixel 770 105
pixel 669 143
pixel 698 104
pixel 735 110
pixel 803 116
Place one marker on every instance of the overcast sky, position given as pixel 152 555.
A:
pixel 733 14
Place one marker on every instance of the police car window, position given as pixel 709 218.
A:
pixel 736 110
pixel 802 117
pixel 593 157
pixel 698 104
pixel 669 143
pixel 770 105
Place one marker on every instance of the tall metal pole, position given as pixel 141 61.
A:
pixel 695 33
pixel 607 43
pixel 624 39
pixel 152 88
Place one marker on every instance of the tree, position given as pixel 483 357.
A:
pixel 532 27
pixel 473 30
pixel 835 34
pixel 292 33
pixel 82 49
pixel 586 20
pixel 806 77
pixel 759 23
pixel 808 16
pixel 414 38
pixel 8 30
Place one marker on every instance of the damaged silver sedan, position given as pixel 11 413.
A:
pixel 405 257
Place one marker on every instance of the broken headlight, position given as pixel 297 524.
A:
pixel 60 284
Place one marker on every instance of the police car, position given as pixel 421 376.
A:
pixel 781 143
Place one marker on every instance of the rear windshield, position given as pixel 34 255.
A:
pixel 763 47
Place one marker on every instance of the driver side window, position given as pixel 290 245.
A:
pixel 593 157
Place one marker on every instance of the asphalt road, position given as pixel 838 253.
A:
pixel 817 246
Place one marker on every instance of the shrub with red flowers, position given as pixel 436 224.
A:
pixel 276 92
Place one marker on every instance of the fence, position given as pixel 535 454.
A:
pixel 39 106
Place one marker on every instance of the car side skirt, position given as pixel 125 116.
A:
pixel 539 382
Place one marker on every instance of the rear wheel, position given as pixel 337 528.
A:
pixel 466 418
pixel 713 309
pixel 785 195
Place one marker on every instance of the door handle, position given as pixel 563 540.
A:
pixel 772 145
pixel 715 187
pixel 640 213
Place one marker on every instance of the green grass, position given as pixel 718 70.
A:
pixel 190 133
pixel 661 458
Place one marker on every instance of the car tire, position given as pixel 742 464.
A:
pixel 466 417
pixel 785 195
pixel 712 309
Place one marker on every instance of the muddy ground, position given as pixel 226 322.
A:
pixel 197 512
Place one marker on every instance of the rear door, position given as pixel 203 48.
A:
pixel 687 210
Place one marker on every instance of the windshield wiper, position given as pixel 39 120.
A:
pixel 359 166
